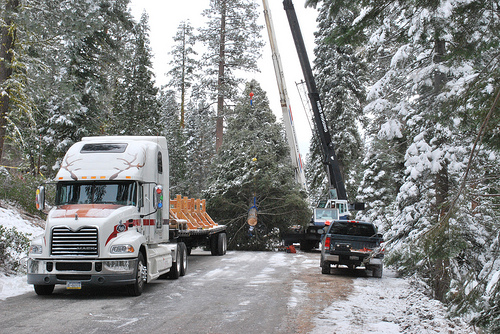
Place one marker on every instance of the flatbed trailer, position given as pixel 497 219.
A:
pixel 191 224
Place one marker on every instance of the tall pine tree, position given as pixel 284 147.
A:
pixel 136 109
pixel 184 65
pixel 232 37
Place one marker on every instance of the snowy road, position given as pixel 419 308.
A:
pixel 242 292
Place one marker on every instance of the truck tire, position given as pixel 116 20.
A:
pixel 213 241
pixel 325 267
pixel 138 286
pixel 221 244
pixel 377 271
pixel 184 258
pixel 44 290
pixel 175 270
pixel 306 245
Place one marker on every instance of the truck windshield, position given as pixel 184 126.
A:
pixel 119 193
pixel 347 228
pixel 326 214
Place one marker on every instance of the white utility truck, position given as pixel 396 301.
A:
pixel 111 222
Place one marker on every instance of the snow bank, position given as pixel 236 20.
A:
pixel 387 305
pixel 10 218
pixel 11 286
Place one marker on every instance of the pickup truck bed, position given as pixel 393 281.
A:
pixel 353 244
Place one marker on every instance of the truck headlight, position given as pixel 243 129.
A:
pixel 35 249
pixel 122 249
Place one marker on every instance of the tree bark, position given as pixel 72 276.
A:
pixel 219 128
pixel 441 274
pixel 7 40
pixel 183 75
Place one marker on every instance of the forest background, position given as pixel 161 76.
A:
pixel 410 89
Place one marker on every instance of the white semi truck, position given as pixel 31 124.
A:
pixel 111 223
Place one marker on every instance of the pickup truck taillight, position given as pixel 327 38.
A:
pixel 327 243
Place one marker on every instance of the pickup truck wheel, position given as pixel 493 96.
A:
pixel 140 277
pixel 184 256
pixel 325 267
pixel 44 290
pixel 175 270
pixel 377 271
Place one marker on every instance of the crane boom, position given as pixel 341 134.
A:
pixel 330 159
pixel 285 102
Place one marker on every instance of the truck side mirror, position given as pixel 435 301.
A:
pixel 40 198
pixel 158 197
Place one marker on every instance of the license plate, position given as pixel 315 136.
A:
pixel 73 285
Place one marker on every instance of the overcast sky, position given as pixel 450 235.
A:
pixel 165 17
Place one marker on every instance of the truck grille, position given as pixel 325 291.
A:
pixel 68 242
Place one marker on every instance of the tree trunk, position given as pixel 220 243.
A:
pixel 441 275
pixel 441 183
pixel 439 77
pixel 219 128
pixel 183 75
pixel 7 40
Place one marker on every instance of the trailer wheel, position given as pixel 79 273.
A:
pixel 218 244
pixel 213 244
pixel 221 244
pixel 140 277
pixel 306 245
pixel 184 260
pixel 44 290
pixel 175 270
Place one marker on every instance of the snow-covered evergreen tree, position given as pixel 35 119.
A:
pixel 177 152
pixel 136 107
pixel 9 10
pixel 253 162
pixel 339 78
pixel 199 147
pixel 72 54
pixel 184 65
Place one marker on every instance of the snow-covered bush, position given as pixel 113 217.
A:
pixel 14 247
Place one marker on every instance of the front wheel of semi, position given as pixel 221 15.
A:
pixel 140 277
pixel 44 290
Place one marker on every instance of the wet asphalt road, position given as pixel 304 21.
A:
pixel 241 292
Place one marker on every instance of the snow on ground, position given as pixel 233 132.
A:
pixel 9 217
pixel 388 305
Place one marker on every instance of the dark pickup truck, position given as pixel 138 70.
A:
pixel 353 244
